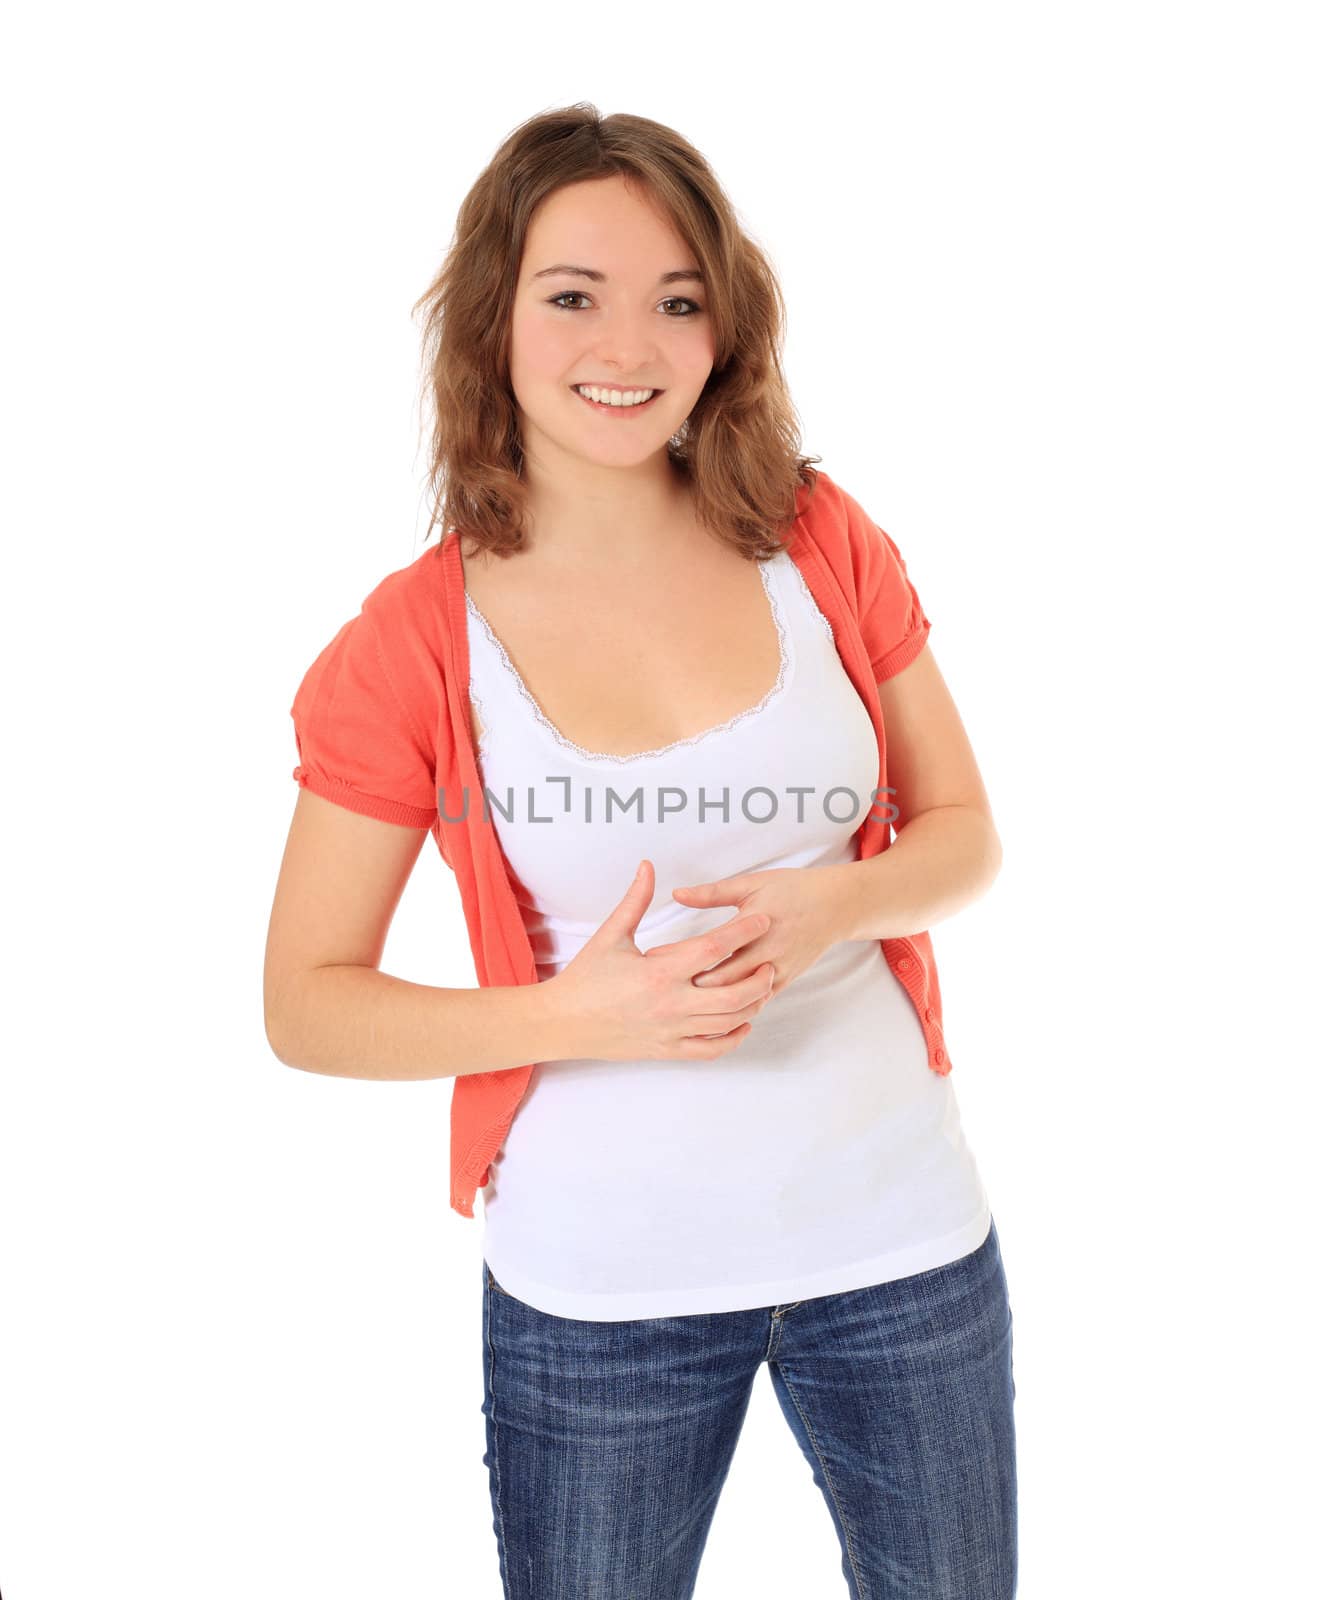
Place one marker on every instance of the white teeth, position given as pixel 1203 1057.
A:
pixel 613 397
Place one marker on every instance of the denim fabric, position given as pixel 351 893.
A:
pixel 608 1443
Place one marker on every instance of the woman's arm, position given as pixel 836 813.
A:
pixel 947 851
pixel 357 1022
pixel 326 1006
pixel 941 860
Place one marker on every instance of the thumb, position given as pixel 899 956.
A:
pixel 623 920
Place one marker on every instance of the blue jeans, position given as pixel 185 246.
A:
pixel 608 1443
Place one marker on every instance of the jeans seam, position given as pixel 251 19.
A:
pixel 826 1472
pixel 498 1476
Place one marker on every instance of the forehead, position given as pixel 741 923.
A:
pixel 607 226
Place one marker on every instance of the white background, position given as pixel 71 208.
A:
pixel 1056 282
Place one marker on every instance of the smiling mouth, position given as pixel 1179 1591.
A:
pixel 618 410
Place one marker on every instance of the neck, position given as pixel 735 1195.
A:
pixel 619 520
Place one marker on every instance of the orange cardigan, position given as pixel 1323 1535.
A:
pixel 382 726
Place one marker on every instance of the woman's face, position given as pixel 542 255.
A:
pixel 620 323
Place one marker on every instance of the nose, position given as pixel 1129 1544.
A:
pixel 625 343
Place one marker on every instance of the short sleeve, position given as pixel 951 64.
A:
pixel 357 743
pixel 891 618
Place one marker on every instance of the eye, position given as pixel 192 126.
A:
pixel 677 316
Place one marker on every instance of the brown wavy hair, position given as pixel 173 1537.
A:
pixel 738 447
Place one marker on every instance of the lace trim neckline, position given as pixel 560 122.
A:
pixel 602 758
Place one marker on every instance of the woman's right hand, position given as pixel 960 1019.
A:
pixel 623 1004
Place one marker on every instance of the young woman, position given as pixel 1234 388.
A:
pixel 703 1081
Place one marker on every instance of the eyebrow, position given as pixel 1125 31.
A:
pixel 685 275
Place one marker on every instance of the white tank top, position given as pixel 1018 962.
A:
pixel 821 1154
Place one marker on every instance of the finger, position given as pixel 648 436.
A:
pixel 738 966
pixel 752 990
pixel 622 923
pixel 709 1048
pixel 725 1021
pixel 708 949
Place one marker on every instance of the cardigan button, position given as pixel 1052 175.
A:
pixel 939 1055
pixel 904 964
pixel 928 1013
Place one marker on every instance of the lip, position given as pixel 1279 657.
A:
pixel 618 411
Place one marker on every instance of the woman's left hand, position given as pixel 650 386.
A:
pixel 802 904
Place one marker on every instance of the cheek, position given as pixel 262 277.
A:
pixel 702 353
pixel 542 346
